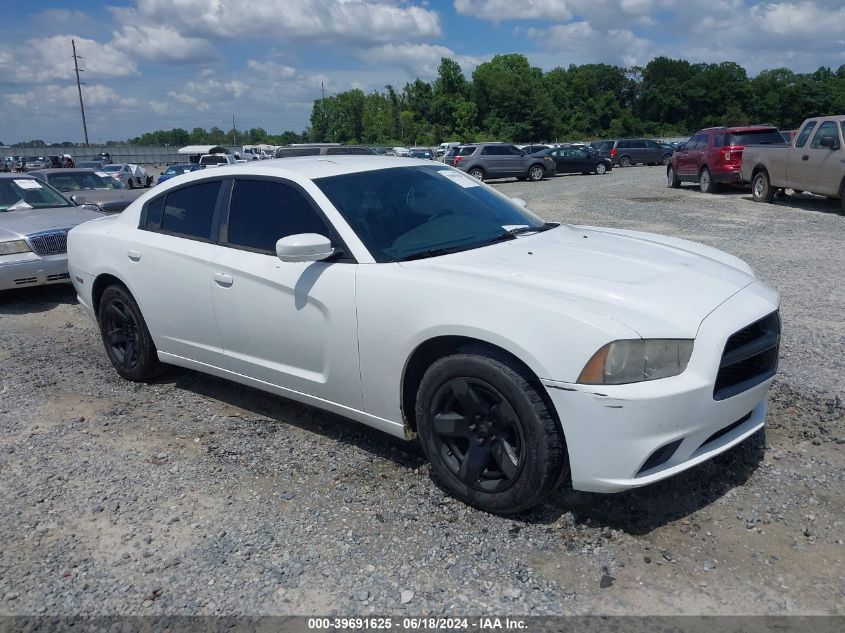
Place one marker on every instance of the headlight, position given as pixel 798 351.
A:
pixel 14 247
pixel 622 362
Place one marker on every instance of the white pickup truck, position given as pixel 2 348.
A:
pixel 814 161
pixel 215 160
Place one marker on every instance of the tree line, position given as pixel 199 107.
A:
pixel 507 99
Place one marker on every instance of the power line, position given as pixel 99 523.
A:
pixel 79 89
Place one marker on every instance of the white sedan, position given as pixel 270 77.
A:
pixel 408 296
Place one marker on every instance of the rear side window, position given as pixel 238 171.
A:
pixel 805 134
pixel 719 140
pixel 262 211
pixel 624 145
pixel 639 144
pixel 189 211
pixel 466 151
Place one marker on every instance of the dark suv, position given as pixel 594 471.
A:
pixel 630 151
pixel 500 160
pixel 714 155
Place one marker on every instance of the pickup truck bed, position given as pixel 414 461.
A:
pixel 814 162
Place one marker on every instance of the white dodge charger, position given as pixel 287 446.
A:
pixel 417 300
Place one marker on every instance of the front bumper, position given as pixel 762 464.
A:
pixel 28 269
pixel 611 431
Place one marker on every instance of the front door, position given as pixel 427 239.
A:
pixel 288 324
pixel 815 165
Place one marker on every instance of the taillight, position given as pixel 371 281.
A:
pixel 733 152
pixel 613 152
pixel 457 159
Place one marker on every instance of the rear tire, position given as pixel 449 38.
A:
pixel 761 187
pixel 477 173
pixel 666 159
pixel 625 161
pixel 129 184
pixel 127 340
pixel 601 169
pixel 705 182
pixel 672 178
pixel 487 431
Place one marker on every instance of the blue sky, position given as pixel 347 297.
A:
pixel 158 64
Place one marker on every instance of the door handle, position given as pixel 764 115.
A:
pixel 221 279
pixel 805 157
pixel 134 255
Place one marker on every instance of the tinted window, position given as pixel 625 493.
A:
pixel 492 150
pixel 828 128
pixel 511 150
pixel 466 151
pixel 719 140
pixel 189 211
pixel 262 211
pixel 805 134
pixel 624 145
pixel 639 144
pixel 766 137
pixel 154 211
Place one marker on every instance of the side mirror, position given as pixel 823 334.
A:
pixel 304 247
pixel 829 142
pixel 519 201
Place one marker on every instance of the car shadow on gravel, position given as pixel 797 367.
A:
pixel 36 299
pixel 641 510
pixel 291 413
pixel 807 202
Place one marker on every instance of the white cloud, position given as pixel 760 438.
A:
pixel 500 10
pixel 418 60
pixel 361 21
pixel 37 60
pixel 580 43
pixel 161 43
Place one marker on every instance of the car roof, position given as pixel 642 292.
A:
pixel 739 129
pixel 313 167
pixel 63 170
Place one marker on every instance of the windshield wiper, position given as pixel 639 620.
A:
pixel 519 230
pixel 433 252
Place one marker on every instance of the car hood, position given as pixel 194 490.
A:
pixel 661 287
pixel 17 224
pixel 107 195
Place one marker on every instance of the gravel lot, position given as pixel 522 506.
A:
pixel 198 496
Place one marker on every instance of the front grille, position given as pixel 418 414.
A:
pixel 49 243
pixel 750 357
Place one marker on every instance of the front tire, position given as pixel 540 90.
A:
pixel 536 173
pixel 488 432
pixel 129 184
pixel 127 340
pixel 761 188
pixel 666 159
pixel 601 169
pixel 705 182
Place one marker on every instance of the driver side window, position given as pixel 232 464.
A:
pixel 262 211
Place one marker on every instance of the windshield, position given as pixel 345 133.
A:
pixel 758 136
pixel 28 193
pixel 403 212
pixel 80 181
pixel 175 170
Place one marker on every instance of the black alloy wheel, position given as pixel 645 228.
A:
pixel 477 434
pixel 121 333
pixel 127 340
pixel 489 431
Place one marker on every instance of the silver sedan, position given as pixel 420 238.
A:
pixel 34 221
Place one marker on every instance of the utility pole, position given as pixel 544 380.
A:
pixel 323 88
pixel 234 142
pixel 79 89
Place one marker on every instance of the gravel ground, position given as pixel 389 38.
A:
pixel 197 496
